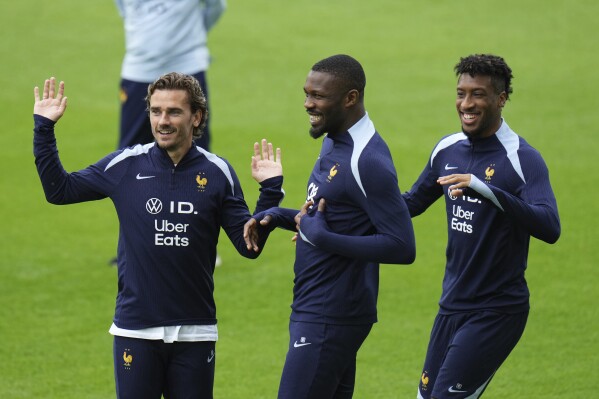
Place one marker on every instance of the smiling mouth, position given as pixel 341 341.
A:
pixel 468 117
pixel 315 118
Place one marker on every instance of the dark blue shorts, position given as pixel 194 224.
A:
pixel 465 350
pixel 150 369
pixel 321 360
pixel 135 125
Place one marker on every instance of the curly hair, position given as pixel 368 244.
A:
pixel 347 69
pixel 487 65
pixel 195 95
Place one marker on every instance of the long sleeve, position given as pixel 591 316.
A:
pixel 271 194
pixel 281 217
pixel 59 186
pixel 236 213
pixel 378 248
pixel 535 208
pixel 424 192
pixel 391 239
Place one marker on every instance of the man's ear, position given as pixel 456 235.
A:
pixel 352 98
pixel 197 118
pixel 502 98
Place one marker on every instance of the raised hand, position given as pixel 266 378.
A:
pixel 48 105
pixel 264 163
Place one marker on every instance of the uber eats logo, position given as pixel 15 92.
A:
pixel 462 218
pixel 169 233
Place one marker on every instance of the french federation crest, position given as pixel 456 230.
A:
pixel 202 181
pixel 128 358
pixel 489 172
pixel 332 172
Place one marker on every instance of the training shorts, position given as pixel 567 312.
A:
pixel 465 350
pixel 149 369
pixel 321 360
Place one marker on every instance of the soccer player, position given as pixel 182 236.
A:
pixel 338 252
pixel 160 37
pixel 497 195
pixel 172 197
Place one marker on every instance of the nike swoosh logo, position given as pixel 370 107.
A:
pixel 140 177
pixel 296 345
pixel 210 358
pixel 447 167
pixel 455 390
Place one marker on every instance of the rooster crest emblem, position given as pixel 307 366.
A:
pixel 489 172
pixel 202 181
pixel 332 172
pixel 424 380
pixel 128 359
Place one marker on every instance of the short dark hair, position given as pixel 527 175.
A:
pixel 345 68
pixel 487 65
pixel 195 95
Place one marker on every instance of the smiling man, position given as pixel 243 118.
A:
pixel 497 195
pixel 172 198
pixel 338 252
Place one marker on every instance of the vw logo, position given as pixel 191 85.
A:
pixel 312 191
pixel 451 197
pixel 154 206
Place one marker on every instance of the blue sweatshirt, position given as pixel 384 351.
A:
pixel 366 222
pixel 170 218
pixel 509 200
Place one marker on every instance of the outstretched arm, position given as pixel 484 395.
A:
pixel 59 186
pixel 287 219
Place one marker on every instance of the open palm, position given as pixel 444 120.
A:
pixel 51 105
pixel 264 163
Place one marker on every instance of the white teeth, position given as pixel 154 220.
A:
pixel 469 116
pixel 314 118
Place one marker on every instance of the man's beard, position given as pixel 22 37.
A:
pixel 316 133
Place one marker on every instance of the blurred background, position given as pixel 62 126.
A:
pixel 57 290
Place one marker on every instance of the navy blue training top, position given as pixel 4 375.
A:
pixel 170 219
pixel 509 200
pixel 366 222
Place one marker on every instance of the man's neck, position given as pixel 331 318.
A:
pixel 177 156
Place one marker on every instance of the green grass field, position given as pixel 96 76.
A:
pixel 57 291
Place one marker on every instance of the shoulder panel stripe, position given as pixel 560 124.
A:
pixel 477 185
pixel 304 238
pixel 129 152
pixel 222 165
pixel 361 133
pixel 446 142
pixel 511 142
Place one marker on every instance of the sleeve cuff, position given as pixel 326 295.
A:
pixel 272 182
